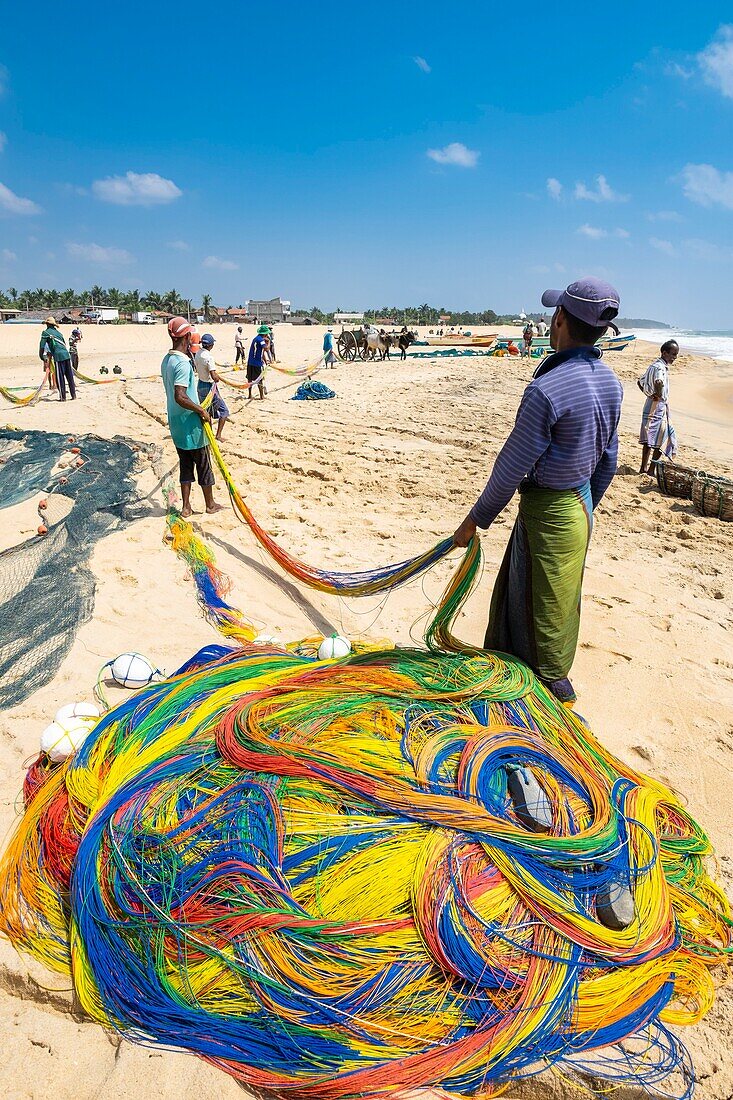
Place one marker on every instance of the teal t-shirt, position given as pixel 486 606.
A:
pixel 185 426
pixel 52 343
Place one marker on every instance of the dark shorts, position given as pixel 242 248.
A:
pixel 218 408
pixel 198 460
pixel 254 372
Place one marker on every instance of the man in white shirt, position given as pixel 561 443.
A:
pixel 207 380
pixel 657 434
pixel 239 346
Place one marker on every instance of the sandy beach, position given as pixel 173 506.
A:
pixel 384 470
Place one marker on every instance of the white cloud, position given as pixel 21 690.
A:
pixel 219 264
pixel 554 188
pixel 665 216
pixel 422 64
pixel 455 153
pixel 622 233
pixel 136 189
pixel 716 61
pixel 96 254
pixel 8 256
pixel 707 186
pixel 3 141
pixel 675 69
pixel 14 204
pixel 592 231
pixel 603 193
pixel 707 250
pixel 179 246
pixel 662 246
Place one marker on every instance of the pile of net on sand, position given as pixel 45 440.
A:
pixel 46 588
pixel 315 875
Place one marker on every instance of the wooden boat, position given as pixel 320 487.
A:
pixel 615 343
pixel 468 341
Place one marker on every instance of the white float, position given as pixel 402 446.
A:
pixel 332 648
pixel 266 639
pixel 131 670
pixel 60 739
pixel 77 710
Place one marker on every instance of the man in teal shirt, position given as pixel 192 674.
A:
pixel 186 417
pixel 53 346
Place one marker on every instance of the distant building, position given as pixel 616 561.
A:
pixel 348 318
pixel 270 311
pixel 236 314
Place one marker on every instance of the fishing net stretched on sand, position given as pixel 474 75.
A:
pixel 46 587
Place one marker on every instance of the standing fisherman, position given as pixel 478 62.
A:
pixel 53 346
pixel 561 455
pixel 657 434
pixel 74 339
pixel 186 417
pixel 259 357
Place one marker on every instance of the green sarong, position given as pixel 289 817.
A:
pixel 535 606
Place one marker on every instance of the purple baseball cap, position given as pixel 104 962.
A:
pixel 590 300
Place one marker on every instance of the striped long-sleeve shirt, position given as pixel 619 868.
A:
pixel 566 432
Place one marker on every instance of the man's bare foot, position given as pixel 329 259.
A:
pixel 186 512
pixel 214 508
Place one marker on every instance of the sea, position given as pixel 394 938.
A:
pixel 718 345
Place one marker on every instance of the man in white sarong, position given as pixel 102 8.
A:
pixel 657 436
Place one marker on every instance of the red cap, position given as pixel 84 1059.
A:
pixel 178 327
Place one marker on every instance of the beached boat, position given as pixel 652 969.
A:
pixel 615 343
pixel 464 341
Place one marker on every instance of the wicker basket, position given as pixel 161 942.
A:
pixel 713 496
pixel 676 481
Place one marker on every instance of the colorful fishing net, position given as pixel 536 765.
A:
pixel 312 875
pixel 10 394
pixel 317 875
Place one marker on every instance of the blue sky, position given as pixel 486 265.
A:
pixel 468 156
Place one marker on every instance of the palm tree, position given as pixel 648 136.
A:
pixel 130 302
pixel 112 296
pixel 206 306
pixel 13 294
pixel 171 300
pixel 68 297
pixel 97 295
pixel 153 301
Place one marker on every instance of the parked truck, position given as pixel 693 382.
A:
pixel 101 315
pixel 143 318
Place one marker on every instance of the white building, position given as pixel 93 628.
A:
pixel 348 318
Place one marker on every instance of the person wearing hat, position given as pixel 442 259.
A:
pixel 208 379
pixel 329 355
pixel 259 357
pixel 53 347
pixel 239 346
pixel 561 455
pixel 74 339
pixel 186 417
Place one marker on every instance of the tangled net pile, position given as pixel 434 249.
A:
pixel 312 875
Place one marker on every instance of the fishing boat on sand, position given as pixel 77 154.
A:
pixel 465 340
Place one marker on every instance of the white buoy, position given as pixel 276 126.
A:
pixel 132 670
pixel 60 739
pixel 77 710
pixel 266 639
pixel 333 647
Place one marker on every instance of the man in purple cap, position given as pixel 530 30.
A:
pixel 561 456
